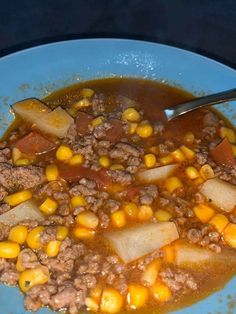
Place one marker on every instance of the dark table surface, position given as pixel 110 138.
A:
pixel 204 26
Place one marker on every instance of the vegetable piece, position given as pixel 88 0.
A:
pixel 18 197
pixel 56 122
pixel 156 174
pixel 83 120
pixel 229 235
pixel 220 193
pixel 223 153
pixel 115 133
pixel 9 249
pixel 111 301
pixel 33 239
pixel 137 296
pixel 161 292
pixel 150 273
pixel 137 241
pixel 18 234
pixel 32 277
pixel 30 109
pixel 34 144
pixel 25 210
pixel 203 212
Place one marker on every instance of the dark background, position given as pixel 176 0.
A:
pixel 204 26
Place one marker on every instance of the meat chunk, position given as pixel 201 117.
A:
pixel 122 151
pixel 5 155
pixel 121 177
pixel 3 193
pixel 210 119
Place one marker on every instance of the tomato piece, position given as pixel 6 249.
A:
pixel 83 120
pixel 34 144
pixel 74 173
pixel 116 132
pixel 223 153
pixel 132 193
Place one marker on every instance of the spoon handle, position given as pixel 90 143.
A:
pixel 213 99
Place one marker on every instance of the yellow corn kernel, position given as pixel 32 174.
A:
pixel 219 222
pixel 198 181
pixel 76 160
pixel 234 150
pixel 83 233
pixel 87 92
pixel 96 292
pixel 49 206
pixel 173 183
pixel 33 258
pixel 169 253
pixel 78 200
pixel 150 273
pixel 52 172
pixel 64 153
pixel 61 233
pixel 206 172
pixel 9 249
pixel 91 304
pixel 144 130
pixel 16 154
pixel 189 153
pixel 145 213
pixel 87 219
pixel 23 162
pixel 52 248
pixel 189 138
pixel 97 121
pixel 82 103
pixel 132 127
pixel 178 155
pixel 137 296
pixel 104 161
pixel 118 218
pixel 18 234
pixel 131 210
pixel 32 277
pixel 160 291
pixel 163 215
pixel 131 114
pixel 191 172
pixel 203 212
pixel 33 238
pixel 229 235
pixel 166 160
pixel 18 197
pixel 117 167
pixel 111 301
pixel 149 160
pixel 228 133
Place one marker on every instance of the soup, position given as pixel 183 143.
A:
pixel 107 207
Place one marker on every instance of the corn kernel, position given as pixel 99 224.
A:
pixel 52 248
pixel 117 167
pixel 166 160
pixel 178 155
pixel 52 172
pixel 228 133
pixel 78 200
pixel 131 114
pixel 145 213
pixel 104 161
pixel 32 277
pixel 207 172
pixel 219 222
pixel 163 215
pixel 161 292
pixel 132 128
pixel 61 233
pixel 9 249
pixel 97 121
pixel 198 181
pixel 150 273
pixel 64 153
pixel 192 173
pixel 87 219
pixel 16 154
pixel 82 103
pixel 173 183
pixel 18 197
pixel 234 150
pixel 118 218
pixel 111 301
pixel 189 138
pixel 229 235
pixel 91 304
pixel 169 253
pixel 137 296
pixel 33 258
pixel 76 160
pixel 33 238
pixel 83 233
pixel 203 212
pixel 131 210
pixel 49 206
pixel 18 234
pixel 23 162
pixel 144 130
pixel 189 153
pixel 87 92
pixel 149 160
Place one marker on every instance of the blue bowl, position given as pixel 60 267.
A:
pixel 38 71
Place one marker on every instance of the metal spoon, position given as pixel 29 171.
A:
pixel 173 112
